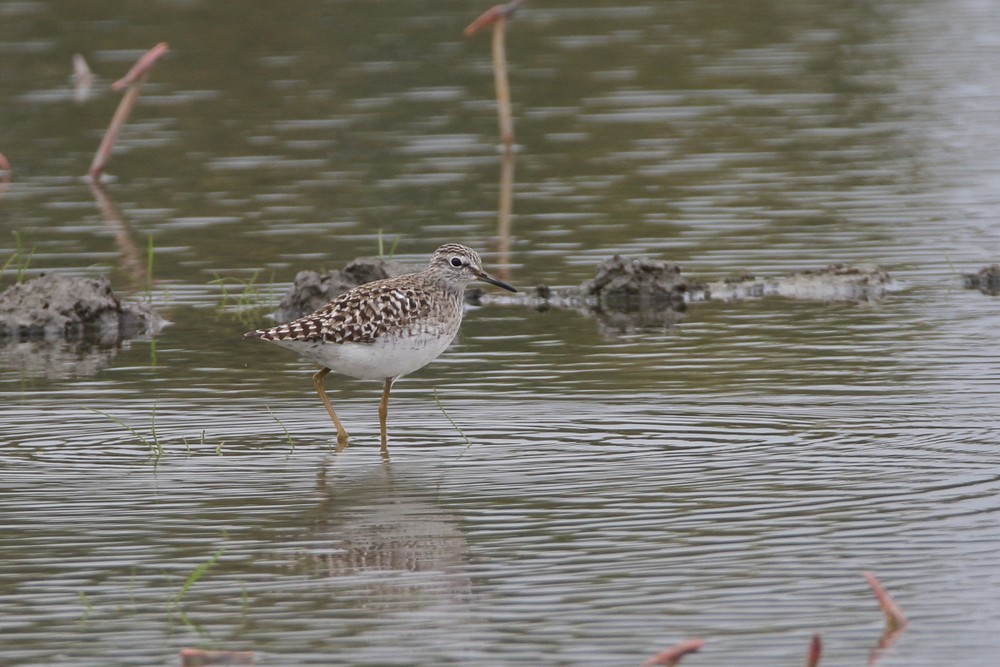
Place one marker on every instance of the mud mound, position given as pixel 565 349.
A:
pixel 630 283
pixel 986 281
pixel 59 307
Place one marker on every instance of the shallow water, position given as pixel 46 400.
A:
pixel 560 492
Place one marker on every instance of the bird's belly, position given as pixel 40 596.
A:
pixel 386 357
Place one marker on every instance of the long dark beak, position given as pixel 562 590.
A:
pixel 487 278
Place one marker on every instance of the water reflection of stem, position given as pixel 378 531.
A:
pixel 131 258
pixel 503 213
pixel 133 81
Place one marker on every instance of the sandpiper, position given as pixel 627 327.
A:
pixel 385 329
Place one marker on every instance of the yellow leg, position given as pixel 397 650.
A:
pixel 318 383
pixel 383 412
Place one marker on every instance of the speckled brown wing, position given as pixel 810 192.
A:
pixel 358 316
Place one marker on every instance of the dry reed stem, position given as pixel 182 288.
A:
pixel 501 83
pixel 672 655
pixel 815 648
pixel 133 80
pixel 497 17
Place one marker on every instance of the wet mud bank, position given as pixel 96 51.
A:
pixel 619 283
pixel 629 294
pixel 625 294
pixel 639 283
pixel 52 307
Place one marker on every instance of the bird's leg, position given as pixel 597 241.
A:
pixel 383 412
pixel 318 383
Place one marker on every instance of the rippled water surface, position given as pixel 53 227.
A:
pixel 563 490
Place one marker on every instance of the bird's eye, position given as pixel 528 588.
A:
pixel 456 261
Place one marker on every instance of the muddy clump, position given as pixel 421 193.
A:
pixel 987 280
pixel 626 295
pixel 54 307
pixel 312 290
pixel 635 294
pixel 636 283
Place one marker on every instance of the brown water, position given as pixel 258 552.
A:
pixel 598 496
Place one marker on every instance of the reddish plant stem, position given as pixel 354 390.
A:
pixel 492 15
pixel 895 619
pixel 4 174
pixel 142 66
pixel 501 82
pixel 497 17
pixel 133 80
pixel 815 649
pixel 672 655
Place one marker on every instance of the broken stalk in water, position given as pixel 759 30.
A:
pixel 133 80
pixel 497 17
pixel 895 620
pixel 672 655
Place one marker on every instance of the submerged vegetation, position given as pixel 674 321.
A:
pixel 152 443
pixel 173 604
pixel 248 300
